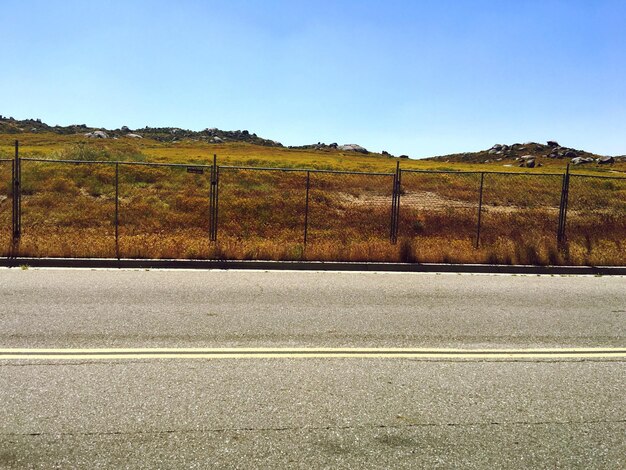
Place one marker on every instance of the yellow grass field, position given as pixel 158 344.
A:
pixel 163 212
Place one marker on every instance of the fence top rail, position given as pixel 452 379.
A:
pixel 6 159
pixel 310 170
pixel 606 177
pixel 520 173
pixel 260 168
pixel 115 162
pixel 199 165
pixel 303 170
pixel 339 172
pixel 454 172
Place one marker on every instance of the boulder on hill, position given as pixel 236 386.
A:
pixel 97 135
pixel 581 160
pixel 605 160
pixel 553 143
pixel 134 136
pixel 352 148
pixel 562 152
pixel 528 161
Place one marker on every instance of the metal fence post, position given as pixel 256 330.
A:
pixel 480 208
pixel 17 197
pixel 217 200
pixel 395 205
pixel 213 200
pixel 561 235
pixel 398 198
pixel 306 206
pixel 117 210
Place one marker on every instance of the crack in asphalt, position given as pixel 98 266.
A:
pixel 104 362
pixel 320 428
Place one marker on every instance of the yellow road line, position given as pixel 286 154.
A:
pixel 241 353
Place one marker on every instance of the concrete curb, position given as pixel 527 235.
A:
pixel 308 266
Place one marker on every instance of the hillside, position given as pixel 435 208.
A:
pixel 241 147
pixel 8 125
pixel 135 210
pixel 529 154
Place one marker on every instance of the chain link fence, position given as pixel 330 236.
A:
pixel 163 210
pixel 260 204
pixel 349 207
pixel 514 217
pixel 434 205
pixel 596 214
pixel 293 208
pixel 149 210
pixel 67 208
pixel 521 208
pixel 6 212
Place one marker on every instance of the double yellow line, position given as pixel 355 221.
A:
pixel 289 353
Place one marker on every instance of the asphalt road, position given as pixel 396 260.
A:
pixel 328 412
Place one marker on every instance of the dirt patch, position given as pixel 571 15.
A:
pixel 365 199
pixel 427 200
pixel 432 200
pixel 417 200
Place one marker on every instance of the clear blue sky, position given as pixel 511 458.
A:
pixel 416 77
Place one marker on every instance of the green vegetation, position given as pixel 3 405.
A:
pixel 69 208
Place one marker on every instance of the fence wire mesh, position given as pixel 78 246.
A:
pixel 67 209
pixel 439 206
pixel 521 209
pixel 135 209
pixel 6 191
pixel 163 211
pixel 596 217
pixel 349 207
pixel 256 204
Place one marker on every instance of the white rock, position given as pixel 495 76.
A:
pixel 352 148
pixel 97 135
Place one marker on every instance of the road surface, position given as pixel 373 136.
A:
pixel 372 410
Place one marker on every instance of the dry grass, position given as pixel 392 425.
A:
pixel 69 209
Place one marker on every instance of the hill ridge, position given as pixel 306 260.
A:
pixel 520 153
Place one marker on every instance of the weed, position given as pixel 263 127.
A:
pixel 418 226
pixel 406 251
